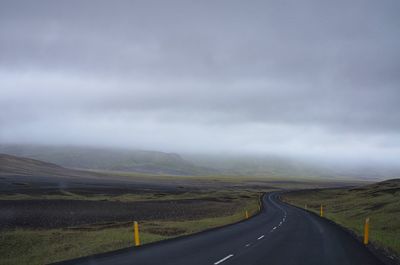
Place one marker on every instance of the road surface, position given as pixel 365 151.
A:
pixel 280 234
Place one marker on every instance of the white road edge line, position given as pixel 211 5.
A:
pixel 222 260
pixel 260 237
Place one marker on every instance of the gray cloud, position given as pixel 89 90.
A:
pixel 304 78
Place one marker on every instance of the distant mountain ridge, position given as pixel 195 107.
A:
pixel 283 167
pixel 151 162
pixel 21 166
pixel 9 163
pixel 160 163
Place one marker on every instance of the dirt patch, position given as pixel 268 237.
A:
pixel 100 226
pixel 376 206
pixel 166 231
pixel 67 213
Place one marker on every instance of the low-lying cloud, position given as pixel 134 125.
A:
pixel 309 78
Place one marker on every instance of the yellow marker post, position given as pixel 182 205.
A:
pixel 247 214
pixel 136 233
pixel 366 231
pixel 321 211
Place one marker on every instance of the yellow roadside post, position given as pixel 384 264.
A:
pixel 321 211
pixel 366 231
pixel 136 233
pixel 247 214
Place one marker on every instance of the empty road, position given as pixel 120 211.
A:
pixel 280 234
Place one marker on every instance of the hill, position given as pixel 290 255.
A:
pixel 109 159
pixel 20 166
pixel 286 167
pixel 161 163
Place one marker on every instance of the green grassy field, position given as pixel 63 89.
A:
pixel 42 246
pixel 349 208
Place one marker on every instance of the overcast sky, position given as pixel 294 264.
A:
pixel 310 78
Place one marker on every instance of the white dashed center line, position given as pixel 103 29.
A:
pixel 259 238
pixel 222 260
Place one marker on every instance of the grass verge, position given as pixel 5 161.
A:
pixel 33 246
pixel 349 208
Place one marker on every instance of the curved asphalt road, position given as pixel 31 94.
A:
pixel 280 234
